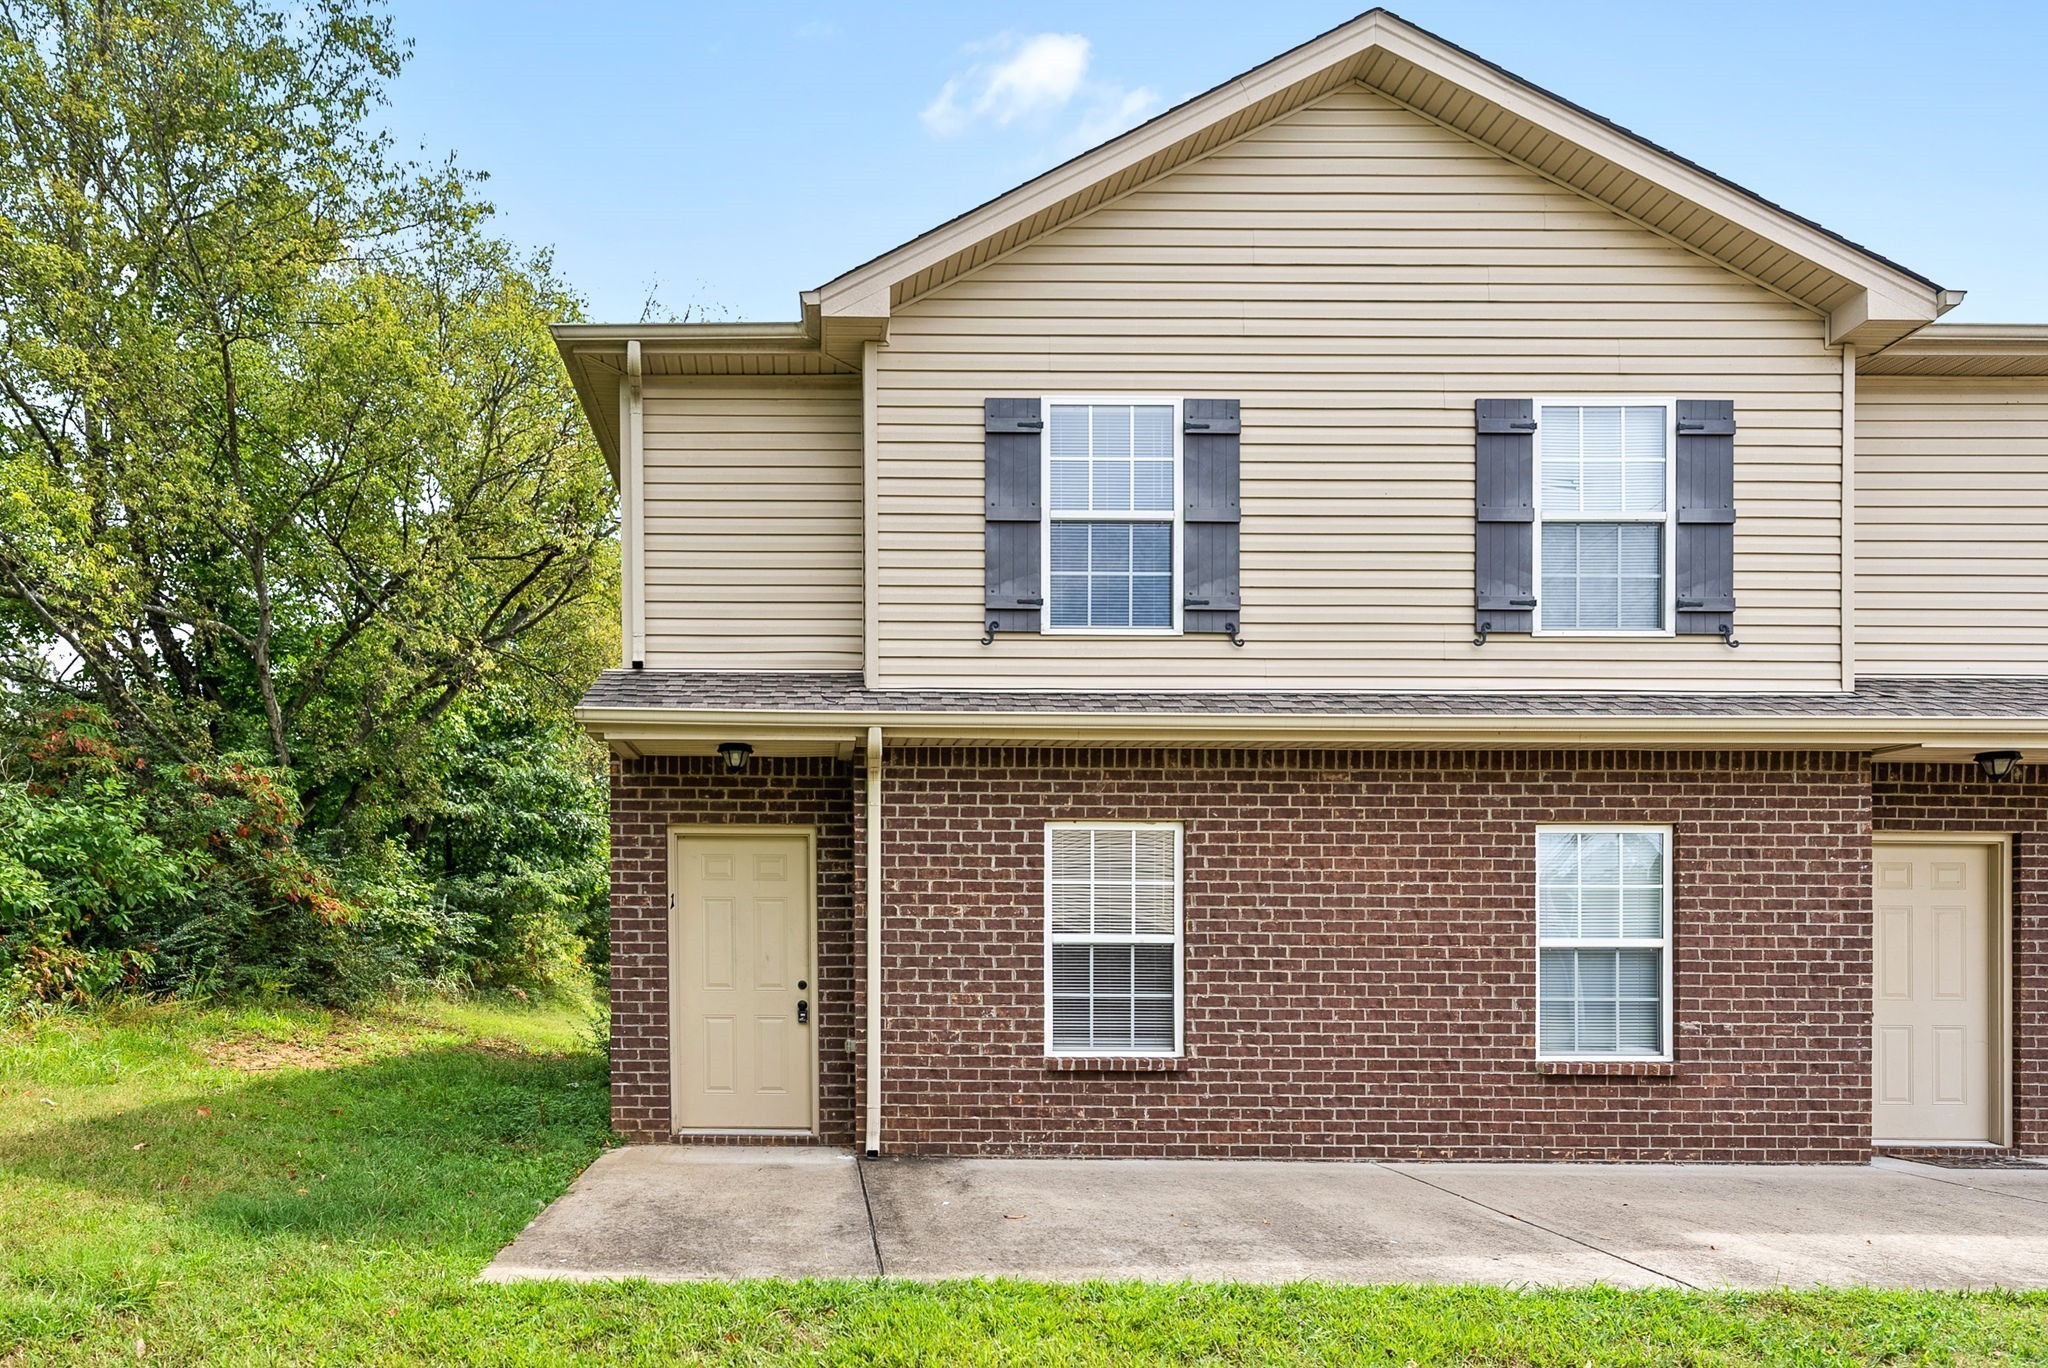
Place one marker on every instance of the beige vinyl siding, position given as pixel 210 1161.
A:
pixel 1952 526
pixel 1357 276
pixel 753 524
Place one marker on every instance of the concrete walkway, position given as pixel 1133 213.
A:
pixel 684 1213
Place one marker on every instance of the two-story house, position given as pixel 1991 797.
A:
pixel 1376 614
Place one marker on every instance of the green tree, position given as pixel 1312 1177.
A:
pixel 515 841
pixel 289 467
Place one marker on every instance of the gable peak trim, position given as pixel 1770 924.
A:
pixel 1871 299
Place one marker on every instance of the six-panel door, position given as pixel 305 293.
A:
pixel 743 976
pixel 1934 1005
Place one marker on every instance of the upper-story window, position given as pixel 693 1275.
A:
pixel 1603 500
pixel 1112 472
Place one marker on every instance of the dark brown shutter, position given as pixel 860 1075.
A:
pixel 1704 591
pixel 1505 527
pixel 1209 599
pixel 1013 588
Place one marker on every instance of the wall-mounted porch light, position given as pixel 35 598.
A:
pixel 735 754
pixel 1997 765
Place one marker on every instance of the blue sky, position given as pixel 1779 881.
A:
pixel 734 154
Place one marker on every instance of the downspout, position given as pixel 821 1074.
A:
pixel 633 468
pixel 1848 571
pixel 626 587
pixel 872 1144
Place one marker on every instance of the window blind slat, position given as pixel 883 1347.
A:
pixel 1595 999
pixel 1113 909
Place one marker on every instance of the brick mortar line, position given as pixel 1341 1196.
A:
pixel 1548 1230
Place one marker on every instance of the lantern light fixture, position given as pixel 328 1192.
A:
pixel 1997 765
pixel 735 754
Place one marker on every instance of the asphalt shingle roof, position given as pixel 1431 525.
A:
pixel 719 691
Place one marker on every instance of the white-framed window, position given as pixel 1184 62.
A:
pixel 1603 942
pixel 1604 494
pixel 1112 526
pixel 1113 938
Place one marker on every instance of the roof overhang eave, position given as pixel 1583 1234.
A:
pixel 582 344
pixel 1950 351
pixel 708 726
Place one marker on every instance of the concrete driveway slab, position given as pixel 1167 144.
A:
pixel 2028 1183
pixel 692 1213
pixel 1206 1220
pixel 1743 1226
pixel 687 1213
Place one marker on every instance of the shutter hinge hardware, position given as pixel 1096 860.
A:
pixel 1726 629
pixel 1485 629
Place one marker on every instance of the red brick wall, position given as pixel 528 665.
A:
pixel 1957 798
pixel 1360 956
pixel 650 796
pixel 1359 948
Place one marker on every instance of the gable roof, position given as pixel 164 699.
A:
pixel 1870 300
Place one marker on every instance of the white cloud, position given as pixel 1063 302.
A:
pixel 1029 80
pixel 1043 75
pixel 1118 110
pixel 944 117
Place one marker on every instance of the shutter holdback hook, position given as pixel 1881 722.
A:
pixel 1728 635
pixel 1484 628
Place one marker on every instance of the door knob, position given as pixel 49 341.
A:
pixel 803 1012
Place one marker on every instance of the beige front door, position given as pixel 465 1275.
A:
pixel 743 974
pixel 1934 1014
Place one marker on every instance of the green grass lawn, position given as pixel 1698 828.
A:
pixel 262 1186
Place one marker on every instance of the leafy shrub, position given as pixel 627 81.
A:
pixel 82 885
pixel 120 872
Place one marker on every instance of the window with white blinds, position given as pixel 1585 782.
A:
pixel 1113 947
pixel 1603 501
pixel 1112 476
pixel 1603 943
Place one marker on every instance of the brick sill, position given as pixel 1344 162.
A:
pixel 1114 1063
pixel 1607 1068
